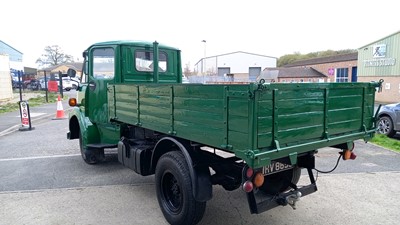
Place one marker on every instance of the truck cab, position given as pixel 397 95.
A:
pixel 115 62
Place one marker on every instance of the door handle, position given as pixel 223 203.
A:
pixel 92 85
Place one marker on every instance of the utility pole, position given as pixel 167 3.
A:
pixel 204 60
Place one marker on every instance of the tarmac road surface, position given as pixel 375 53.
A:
pixel 358 199
pixel 43 180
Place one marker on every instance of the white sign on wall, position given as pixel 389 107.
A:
pixel 379 51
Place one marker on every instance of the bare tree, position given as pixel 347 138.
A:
pixel 187 71
pixel 53 55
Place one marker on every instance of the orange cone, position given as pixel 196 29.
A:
pixel 60 110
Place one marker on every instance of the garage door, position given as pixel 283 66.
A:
pixel 223 70
pixel 254 72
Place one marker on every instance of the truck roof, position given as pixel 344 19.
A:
pixel 133 42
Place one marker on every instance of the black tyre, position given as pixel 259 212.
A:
pixel 174 191
pixel 91 156
pixel 385 126
pixel 280 182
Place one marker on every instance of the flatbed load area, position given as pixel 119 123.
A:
pixel 258 122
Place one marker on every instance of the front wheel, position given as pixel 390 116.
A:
pixel 174 191
pixel 385 126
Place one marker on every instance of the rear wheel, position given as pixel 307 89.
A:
pixel 281 182
pixel 90 156
pixel 174 191
pixel 385 126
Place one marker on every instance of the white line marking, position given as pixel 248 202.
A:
pixel 75 188
pixel 38 157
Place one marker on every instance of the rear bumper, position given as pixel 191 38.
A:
pixel 271 202
pixel 261 202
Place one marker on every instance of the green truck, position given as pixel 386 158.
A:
pixel 256 136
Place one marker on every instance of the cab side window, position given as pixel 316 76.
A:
pixel 103 63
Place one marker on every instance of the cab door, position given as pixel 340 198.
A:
pixel 101 72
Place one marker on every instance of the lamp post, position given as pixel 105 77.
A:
pixel 204 60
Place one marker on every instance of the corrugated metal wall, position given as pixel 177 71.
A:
pixel 388 64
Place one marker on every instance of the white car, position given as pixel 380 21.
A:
pixel 75 82
pixel 66 83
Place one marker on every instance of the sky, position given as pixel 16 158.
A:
pixel 271 28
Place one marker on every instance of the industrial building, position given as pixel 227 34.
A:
pixel 5 79
pixel 236 66
pixel 10 61
pixel 372 62
pixel 380 60
pixel 15 56
pixel 297 75
pixel 337 68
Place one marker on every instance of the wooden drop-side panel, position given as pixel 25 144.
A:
pixel 237 118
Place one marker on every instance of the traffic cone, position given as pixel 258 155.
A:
pixel 60 110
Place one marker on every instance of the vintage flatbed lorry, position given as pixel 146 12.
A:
pixel 256 136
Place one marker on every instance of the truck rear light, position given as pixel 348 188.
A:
pixel 348 154
pixel 247 186
pixel 353 156
pixel 249 173
pixel 258 179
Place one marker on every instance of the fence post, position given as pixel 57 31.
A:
pixel 61 83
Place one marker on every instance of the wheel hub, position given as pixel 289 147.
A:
pixel 384 126
pixel 172 192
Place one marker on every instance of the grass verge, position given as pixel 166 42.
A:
pixel 386 142
pixel 10 107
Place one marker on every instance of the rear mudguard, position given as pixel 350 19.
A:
pixel 200 175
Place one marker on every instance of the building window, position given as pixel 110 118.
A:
pixel 284 81
pixel 342 75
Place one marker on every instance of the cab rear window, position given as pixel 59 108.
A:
pixel 144 61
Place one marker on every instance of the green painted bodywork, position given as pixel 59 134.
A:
pixel 256 122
